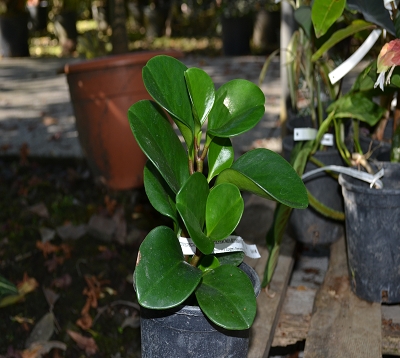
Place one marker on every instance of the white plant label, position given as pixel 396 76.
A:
pixel 301 134
pixel 230 244
pixel 339 72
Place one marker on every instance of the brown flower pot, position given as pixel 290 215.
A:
pixel 102 90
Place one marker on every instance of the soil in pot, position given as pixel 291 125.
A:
pixel 185 332
pixel 372 233
pixel 309 226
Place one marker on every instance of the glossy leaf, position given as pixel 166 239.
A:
pixel 162 278
pixel 354 28
pixel 220 156
pixel 238 107
pixel 208 262
pixel 226 296
pixel 191 204
pixel 231 258
pixel 359 107
pixel 373 11
pixel 162 74
pixel 201 91
pixel 267 174
pixel 223 211
pixel 302 15
pixel 158 192
pixel 324 14
pixel 165 151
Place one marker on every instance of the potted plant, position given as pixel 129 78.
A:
pixel 343 107
pixel 13 28
pixel 373 214
pixel 212 300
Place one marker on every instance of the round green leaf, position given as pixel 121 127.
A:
pixel 164 79
pixel 220 156
pixel 159 193
pixel 191 205
pixel 162 278
pixel 238 107
pixel 208 262
pixel 265 173
pixel 223 211
pixel 158 140
pixel 226 296
pixel 201 91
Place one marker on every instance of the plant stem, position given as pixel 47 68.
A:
pixel 196 258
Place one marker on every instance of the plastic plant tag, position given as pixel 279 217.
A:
pixel 230 244
pixel 301 134
pixel 373 180
pixel 339 72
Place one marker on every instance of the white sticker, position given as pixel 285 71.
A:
pixel 230 244
pixel 327 139
pixel 339 72
pixel 300 134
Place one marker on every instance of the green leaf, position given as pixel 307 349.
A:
pixel 373 11
pixel 267 174
pixel 158 192
pixel 231 258
pixel 201 91
pixel 162 278
pixel 223 211
pixel 359 107
pixel 355 27
pixel 220 156
pixel 226 296
pixel 238 107
pixel 7 288
pixel 191 204
pixel 302 15
pixel 208 262
pixel 324 14
pixel 165 151
pixel 164 78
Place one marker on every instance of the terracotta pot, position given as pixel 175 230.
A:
pixel 102 90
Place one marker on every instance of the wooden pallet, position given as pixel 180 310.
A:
pixel 333 321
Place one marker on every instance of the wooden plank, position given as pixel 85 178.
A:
pixel 342 325
pixel 391 329
pixel 295 317
pixel 269 305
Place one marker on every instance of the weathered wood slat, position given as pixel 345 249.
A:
pixel 295 316
pixel 269 305
pixel 342 325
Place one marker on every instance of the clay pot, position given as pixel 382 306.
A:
pixel 102 90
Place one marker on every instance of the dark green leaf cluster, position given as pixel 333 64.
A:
pixel 206 208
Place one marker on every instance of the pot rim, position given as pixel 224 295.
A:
pixel 112 61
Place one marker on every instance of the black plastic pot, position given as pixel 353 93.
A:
pixel 236 34
pixel 38 15
pixel 309 226
pixel 185 332
pixel 14 35
pixel 373 233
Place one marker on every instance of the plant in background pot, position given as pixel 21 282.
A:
pixel 312 152
pixel 373 213
pixel 205 205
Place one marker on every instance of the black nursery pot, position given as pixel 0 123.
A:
pixel 373 235
pixel 307 225
pixel 185 332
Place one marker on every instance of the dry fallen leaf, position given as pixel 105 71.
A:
pixel 39 209
pixel 62 282
pixel 38 349
pixel 86 343
pixel 42 331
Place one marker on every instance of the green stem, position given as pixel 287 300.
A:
pixel 196 258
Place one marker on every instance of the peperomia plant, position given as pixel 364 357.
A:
pixel 205 205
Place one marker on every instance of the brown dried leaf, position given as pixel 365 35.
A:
pixel 28 284
pixel 86 343
pixel 46 247
pixel 37 350
pixel 62 282
pixel 39 209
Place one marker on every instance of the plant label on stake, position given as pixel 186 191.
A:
pixel 301 134
pixel 230 244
